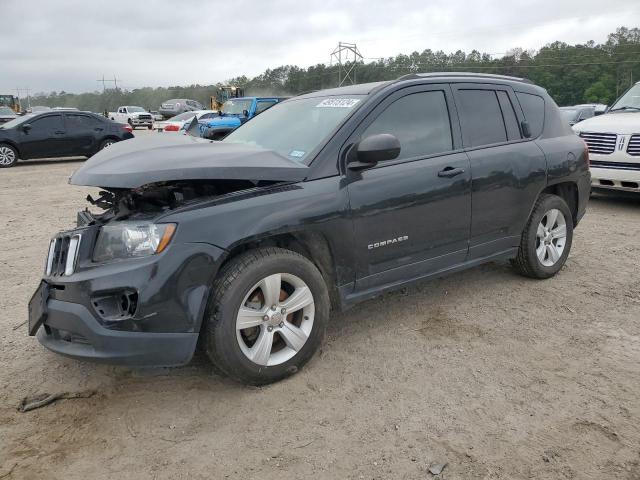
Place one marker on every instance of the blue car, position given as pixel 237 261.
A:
pixel 235 112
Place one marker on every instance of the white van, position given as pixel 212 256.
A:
pixel 614 143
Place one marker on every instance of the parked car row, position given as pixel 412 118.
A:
pixel 176 106
pixel 234 112
pixel 7 114
pixel 134 116
pixel 614 143
pixel 177 123
pixel 53 134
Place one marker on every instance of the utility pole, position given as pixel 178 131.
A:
pixel 347 57
pixel 104 86
pixel 105 80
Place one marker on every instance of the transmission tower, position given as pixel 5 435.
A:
pixel 347 56
pixel 105 80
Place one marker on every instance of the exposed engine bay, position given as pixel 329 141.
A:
pixel 120 203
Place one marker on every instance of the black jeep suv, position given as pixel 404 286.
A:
pixel 322 201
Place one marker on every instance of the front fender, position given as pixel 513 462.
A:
pixel 315 207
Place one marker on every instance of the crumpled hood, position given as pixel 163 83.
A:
pixel 165 158
pixel 623 123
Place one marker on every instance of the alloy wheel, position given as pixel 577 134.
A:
pixel 7 156
pixel 551 237
pixel 275 319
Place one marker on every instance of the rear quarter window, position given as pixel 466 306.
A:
pixel 533 109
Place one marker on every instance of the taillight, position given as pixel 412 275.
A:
pixel 171 128
pixel 127 128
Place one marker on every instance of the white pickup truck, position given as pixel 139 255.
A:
pixel 134 116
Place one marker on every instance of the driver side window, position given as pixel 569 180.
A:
pixel 420 121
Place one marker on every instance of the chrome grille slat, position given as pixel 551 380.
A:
pixel 602 143
pixel 58 255
pixel 633 148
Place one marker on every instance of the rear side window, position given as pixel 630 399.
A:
pixel 420 121
pixel 83 122
pixel 509 115
pixel 482 117
pixel 533 109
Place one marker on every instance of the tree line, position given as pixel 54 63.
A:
pixel 572 74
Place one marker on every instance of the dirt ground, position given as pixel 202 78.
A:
pixel 496 375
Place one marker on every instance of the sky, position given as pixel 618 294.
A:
pixel 70 44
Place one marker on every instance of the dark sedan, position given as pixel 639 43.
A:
pixel 6 115
pixel 57 134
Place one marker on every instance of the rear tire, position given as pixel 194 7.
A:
pixel 248 339
pixel 106 143
pixel 8 155
pixel 546 239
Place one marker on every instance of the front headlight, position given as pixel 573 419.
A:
pixel 132 239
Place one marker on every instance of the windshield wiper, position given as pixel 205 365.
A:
pixel 624 108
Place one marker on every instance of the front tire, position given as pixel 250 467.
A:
pixel 267 315
pixel 547 238
pixel 8 156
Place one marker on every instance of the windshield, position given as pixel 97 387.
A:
pixel 16 121
pixel 295 128
pixel 568 114
pixel 6 111
pixel 136 109
pixel 235 107
pixel 182 116
pixel 630 100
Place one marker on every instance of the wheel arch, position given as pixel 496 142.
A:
pixel 568 191
pixel 14 146
pixel 312 245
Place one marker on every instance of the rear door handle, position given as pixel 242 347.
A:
pixel 449 172
pixel 59 132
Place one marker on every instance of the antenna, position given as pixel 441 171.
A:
pixel 347 56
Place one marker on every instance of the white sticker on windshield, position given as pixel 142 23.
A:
pixel 296 153
pixel 338 102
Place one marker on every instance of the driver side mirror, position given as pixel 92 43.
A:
pixel 26 127
pixel 526 129
pixel 374 149
pixel 245 113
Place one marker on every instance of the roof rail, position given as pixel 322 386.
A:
pixel 412 76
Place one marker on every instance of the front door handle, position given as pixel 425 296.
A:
pixel 59 132
pixel 449 172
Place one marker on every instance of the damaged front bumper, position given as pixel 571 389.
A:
pixel 138 312
pixel 72 330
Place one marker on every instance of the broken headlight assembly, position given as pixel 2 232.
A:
pixel 131 239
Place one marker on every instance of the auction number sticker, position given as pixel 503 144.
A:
pixel 297 153
pixel 338 102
